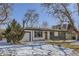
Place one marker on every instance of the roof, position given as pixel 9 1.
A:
pixel 45 29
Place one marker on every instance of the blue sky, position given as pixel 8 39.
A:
pixel 20 9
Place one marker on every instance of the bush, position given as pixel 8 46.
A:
pixel 14 32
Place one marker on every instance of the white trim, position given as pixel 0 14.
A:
pixel 76 36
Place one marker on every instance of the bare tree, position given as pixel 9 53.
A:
pixel 4 15
pixel 4 12
pixel 30 18
pixel 45 24
pixel 78 8
pixel 61 11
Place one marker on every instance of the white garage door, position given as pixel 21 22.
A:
pixel 26 37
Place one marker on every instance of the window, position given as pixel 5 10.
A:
pixel 38 34
pixel 55 33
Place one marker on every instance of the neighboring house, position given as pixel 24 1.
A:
pixel 74 32
pixel 70 30
pixel 34 34
pixel 59 26
pixel 56 26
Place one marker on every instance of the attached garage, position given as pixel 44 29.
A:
pixel 27 37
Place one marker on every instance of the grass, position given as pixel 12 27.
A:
pixel 63 43
pixel 67 45
pixel 70 46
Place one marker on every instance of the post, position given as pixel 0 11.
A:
pixel 76 36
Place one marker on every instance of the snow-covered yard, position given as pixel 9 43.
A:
pixel 35 49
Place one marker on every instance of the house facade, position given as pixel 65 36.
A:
pixel 34 34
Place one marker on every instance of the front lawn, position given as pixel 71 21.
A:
pixel 64 43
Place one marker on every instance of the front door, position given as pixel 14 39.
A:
pixel 46 35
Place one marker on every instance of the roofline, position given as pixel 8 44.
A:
pixel 46 29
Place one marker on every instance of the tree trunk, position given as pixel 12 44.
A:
pixel 78 8
pixel 70 18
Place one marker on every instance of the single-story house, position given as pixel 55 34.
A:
pixel 34 34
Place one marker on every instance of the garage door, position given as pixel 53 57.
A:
pixel 27 37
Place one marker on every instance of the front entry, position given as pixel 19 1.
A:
pixel 46 37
